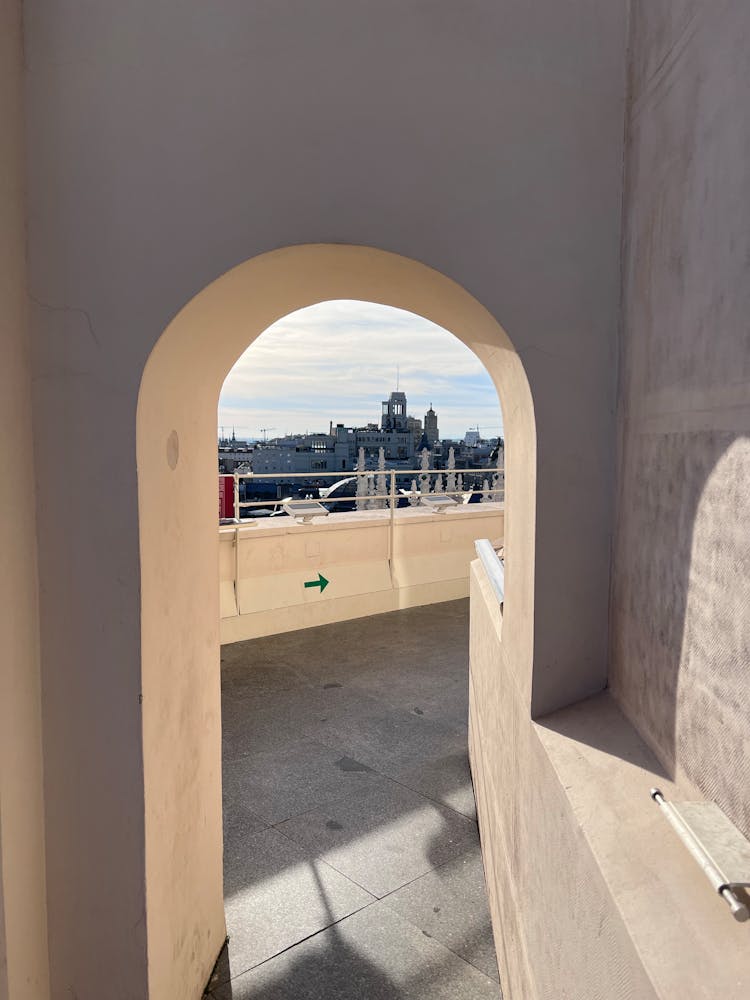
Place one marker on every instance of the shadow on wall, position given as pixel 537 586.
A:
pixel 680 650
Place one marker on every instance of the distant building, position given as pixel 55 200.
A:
pixel 232 442
pixel 233 452
pixel 402 438
pixel 394 413
pixel 414 425
pixel 295 453
pixel 431 426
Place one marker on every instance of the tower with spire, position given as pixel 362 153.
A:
pixel 431 427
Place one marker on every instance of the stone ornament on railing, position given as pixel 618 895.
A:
pixel 450 479
pixel 362 491
pixel 381 486
pixel 370 483
pixel 495 494
pixel 424 478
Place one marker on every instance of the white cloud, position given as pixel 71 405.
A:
pixel 338 360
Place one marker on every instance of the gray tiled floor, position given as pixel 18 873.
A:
pixel 351 859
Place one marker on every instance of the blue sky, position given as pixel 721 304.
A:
pixel 338 360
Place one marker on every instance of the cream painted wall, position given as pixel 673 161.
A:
pixel 23 917
pixel 170 142
pixel 429 563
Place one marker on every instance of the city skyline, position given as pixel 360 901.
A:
pixel 341 359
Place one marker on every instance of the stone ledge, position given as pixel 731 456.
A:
pixel 683 933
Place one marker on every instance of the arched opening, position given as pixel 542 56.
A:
pixel 303 415
pixel 179 554
pixel 346 785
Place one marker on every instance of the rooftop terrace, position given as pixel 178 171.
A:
pixel 351 855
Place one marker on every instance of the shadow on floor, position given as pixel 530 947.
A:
pixel 351 848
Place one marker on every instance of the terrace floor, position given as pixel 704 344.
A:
pixel 351 857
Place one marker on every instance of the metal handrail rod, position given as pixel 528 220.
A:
pixel 391 521
pixel 692 843
pixel 273 502
pixel 342 474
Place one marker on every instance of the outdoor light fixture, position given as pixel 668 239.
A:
pixel 304 510
pixel 437 502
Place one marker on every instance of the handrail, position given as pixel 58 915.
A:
pixel 494 567
pixel 715 843
pixel 353 499
pixel 343 474
pixel 391 496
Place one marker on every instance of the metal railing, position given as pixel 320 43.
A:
pixel 494 491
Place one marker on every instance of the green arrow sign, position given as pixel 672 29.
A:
pixel 320 582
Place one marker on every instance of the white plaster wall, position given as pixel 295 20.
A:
pixel 23 918
pixel 168 143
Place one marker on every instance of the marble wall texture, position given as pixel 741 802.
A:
pixel 680 623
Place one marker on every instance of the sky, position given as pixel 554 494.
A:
pixel 338 360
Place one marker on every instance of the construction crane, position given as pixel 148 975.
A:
pixel 264 431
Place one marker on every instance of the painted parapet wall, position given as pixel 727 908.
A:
pixel 23 913
pixel 591 893
pixel 680 630
pixel 427 561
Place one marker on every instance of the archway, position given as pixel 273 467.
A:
pixel 179 554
